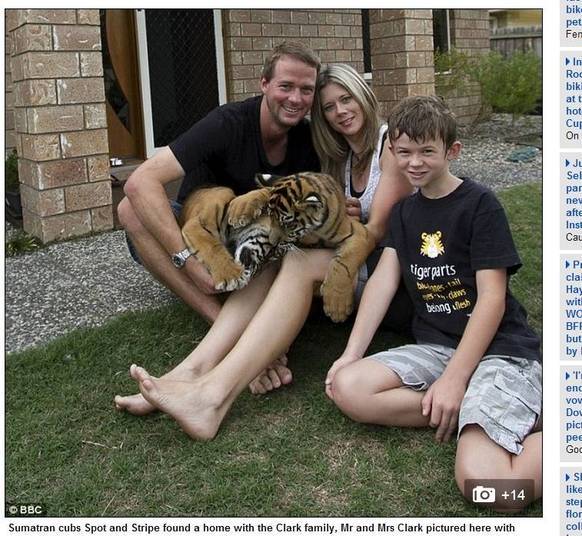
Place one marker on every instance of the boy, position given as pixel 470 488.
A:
pixel 476 363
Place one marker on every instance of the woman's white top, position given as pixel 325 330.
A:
pixel 373 179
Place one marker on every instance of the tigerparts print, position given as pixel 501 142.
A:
pixel 444 293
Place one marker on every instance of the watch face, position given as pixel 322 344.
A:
pixel 178 261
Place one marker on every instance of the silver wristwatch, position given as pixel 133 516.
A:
pixel 179 259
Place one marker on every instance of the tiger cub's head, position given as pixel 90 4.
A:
pixel 300 203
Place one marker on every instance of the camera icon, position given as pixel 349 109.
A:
pixel 481 494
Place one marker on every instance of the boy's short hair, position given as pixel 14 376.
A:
pixel 423 118
pixel 287 48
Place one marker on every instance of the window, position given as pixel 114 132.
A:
pixel 366 41
pixel 441 30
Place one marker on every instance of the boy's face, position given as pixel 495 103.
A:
pixel 424 164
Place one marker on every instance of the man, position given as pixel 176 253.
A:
pixel 264 134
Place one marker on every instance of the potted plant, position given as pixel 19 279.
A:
pixel 12 186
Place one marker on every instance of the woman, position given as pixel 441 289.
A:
pixel 251 330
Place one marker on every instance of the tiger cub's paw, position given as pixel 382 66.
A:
pixel 244 209
pixel 228 277
pixel 338 300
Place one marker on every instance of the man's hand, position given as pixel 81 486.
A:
pixel 353 207
pixel 342 361
pixel 442 402
pixel 200 276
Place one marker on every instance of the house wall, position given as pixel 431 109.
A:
pixel 60 123
pixel 56 102
pixel 10 136
pixel 469 34
pixel 250 35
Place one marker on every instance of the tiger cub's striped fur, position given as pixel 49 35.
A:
pixel 307 209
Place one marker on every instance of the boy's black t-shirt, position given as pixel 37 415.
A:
pixel 441 243
pixel 225 149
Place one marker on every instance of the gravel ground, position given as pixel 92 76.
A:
pixel 85 282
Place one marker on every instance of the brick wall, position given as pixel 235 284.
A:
pixel 60 122
pixel 10 136
pixel 250 35
pixel 402 54
pixel 469 34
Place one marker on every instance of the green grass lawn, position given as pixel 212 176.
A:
pixel 290 453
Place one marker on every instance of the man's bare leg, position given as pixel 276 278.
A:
pixel 199 406
pixel 235 315
pixel 156 260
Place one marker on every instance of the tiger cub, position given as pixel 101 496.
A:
pixel 307 209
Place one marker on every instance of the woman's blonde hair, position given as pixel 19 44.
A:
pixel 331 146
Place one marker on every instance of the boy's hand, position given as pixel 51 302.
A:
pixel 342 361
pixel 442 402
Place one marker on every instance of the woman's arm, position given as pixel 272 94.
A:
pixel 392 187
pixel 376 299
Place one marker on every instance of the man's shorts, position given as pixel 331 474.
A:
pixel 504 396
pixel 176 209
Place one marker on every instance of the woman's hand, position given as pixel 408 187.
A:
pixel 342 361
pixel 353 207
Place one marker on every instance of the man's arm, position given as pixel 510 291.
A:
pixel 376 299
pixel 145 191
pixel 443 399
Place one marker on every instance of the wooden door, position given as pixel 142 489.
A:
pixel 122 90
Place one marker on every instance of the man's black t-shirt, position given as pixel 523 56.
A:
pixel 225 149
pixel 441 243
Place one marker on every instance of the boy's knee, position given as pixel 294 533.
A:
pixel 347 393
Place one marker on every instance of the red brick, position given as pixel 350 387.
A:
pixel 95 116
pixel 32 37
pixel 49 16
pixel 44 203
pixel 50 64
pixel 84 143
pixel 54 119
pixel 98 168
pixel 82 196
pixel 102 218
pixel 91 63
pixel 80 90
pixel 65 226
pixel 35 93
pixel 88 16
pixel 59 173
pixel 77 37
pixel 40 146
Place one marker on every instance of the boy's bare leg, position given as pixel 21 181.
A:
pixel 369 392
pixel 479 457
pixel 236 313
pixel 199 406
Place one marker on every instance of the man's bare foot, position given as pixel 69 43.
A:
pixel 273 377
pixel 138 405
pixel 195 408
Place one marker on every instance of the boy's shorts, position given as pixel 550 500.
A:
pixel 504 396
pixel 176 209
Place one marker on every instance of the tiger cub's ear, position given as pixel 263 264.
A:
pixel 266 179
